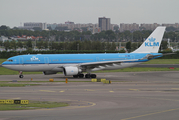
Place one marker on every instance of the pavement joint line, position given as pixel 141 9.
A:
pixel 89 90
pixel 175 88
pixel 47 91
pixel 150 114
pixel 62 91
pixel 157 99
pixel 134 89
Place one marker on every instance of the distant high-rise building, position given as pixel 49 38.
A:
pixel 130 27
pixel 149 26
pixel 176 25
pixel 30 25
pixel 104 24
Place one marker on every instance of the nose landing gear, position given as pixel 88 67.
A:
pixel 20 74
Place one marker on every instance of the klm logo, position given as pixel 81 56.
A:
pixel 34 59
pixel 151 42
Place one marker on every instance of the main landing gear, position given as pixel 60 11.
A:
pixel 86 76
pixel 20 74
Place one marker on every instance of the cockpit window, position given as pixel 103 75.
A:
pixel 10 60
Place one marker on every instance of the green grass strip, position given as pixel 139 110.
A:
pixel 162 61
pixel 32 105
pixel 16 85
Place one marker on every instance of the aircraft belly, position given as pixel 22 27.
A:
pixel 30 67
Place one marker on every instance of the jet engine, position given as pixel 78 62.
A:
pixel 71 70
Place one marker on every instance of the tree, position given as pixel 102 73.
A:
pixel 84 29
pixel 171 28
pixel 128 46
pixel 29 44
pixel 3 27
pixel 13 44
pixel 164 45
pixel 110 35
pixel 37 28
pixel 19 44
pixel 1 43
pixel 40 44
pixel 134 46
pixel 7 45
pixel 45 44
pixel 116 28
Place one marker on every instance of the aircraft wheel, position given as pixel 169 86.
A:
pixel 21 76
pixel 87 76
pixel 93 75
pixel 75 76
pixel 81 75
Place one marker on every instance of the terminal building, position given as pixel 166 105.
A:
pixel 30 25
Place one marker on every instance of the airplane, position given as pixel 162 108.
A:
pixel 75 64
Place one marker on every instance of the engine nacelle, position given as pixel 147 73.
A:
pixel 49 72
pixel 71 70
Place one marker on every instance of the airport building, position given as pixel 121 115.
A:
pixel 30 25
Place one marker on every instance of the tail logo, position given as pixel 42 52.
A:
pixel 151 42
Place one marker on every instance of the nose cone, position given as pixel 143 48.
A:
pixel 5 64
pixel 2 65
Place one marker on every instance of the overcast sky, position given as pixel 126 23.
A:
pixel 14 12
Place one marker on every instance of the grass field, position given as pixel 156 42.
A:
pixel 32 105
pixel 163 61
pixel 16 85
pixel 2 60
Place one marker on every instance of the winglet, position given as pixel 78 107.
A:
pixel 152 43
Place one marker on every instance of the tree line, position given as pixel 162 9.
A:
pixel 107 36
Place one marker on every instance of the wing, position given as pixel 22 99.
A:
pixel 92 65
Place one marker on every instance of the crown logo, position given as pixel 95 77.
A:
pixel 152 39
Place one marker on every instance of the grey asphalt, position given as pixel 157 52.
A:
pixel 130 96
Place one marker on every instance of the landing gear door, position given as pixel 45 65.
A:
pixel 46 60
pixel 132 57
pixel 97 59
pixel 21 61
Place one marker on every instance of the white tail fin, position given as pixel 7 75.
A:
pixel 152 43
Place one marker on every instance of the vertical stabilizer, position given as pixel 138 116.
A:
pixel 152 43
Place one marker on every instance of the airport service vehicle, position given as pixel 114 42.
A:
pixel 75 64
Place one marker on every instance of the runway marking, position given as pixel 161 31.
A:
pixel 47 91
pixel 156 99
pixel 89 90
pixel 62 91
pixel 151 114
pixel 111 91
pixel 15 98
pixel 134 89
pixel 74 105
